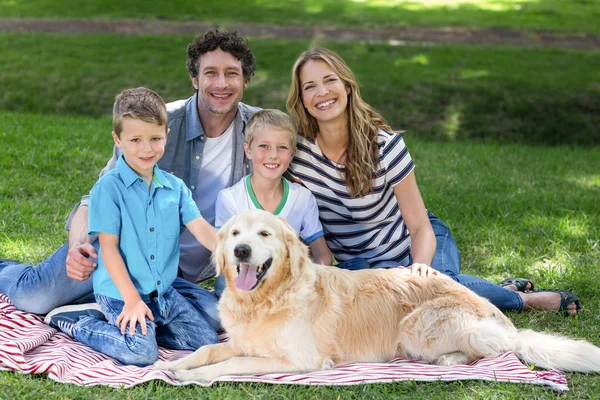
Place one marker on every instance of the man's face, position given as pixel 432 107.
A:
pixel 220 83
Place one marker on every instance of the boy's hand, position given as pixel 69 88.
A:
pixel 132 314
pixel 423 270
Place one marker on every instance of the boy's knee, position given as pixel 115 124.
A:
pixel 140 356
pixel 205 336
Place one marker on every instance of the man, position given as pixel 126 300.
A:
pixel 204 148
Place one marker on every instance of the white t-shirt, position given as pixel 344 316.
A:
pixel 214 175
pixel 298 206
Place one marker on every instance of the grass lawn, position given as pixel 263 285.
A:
pixel 508 94
pixel 469 112
pixel 514 210
pixel 557 15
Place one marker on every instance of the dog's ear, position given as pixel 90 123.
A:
pixel 219 257
pixel 296 250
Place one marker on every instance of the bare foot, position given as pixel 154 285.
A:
pixel 545 301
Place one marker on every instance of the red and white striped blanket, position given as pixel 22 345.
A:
pixel 30 346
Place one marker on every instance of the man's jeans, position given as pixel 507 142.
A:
pixel 447 260
pixel 40 289
pixel 178 326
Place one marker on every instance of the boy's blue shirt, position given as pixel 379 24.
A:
pixel 148 223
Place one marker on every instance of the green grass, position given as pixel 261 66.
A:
pixel 506 94
pixel 514 210
pixel 557 15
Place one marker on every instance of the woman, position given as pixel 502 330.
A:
pixel 362 176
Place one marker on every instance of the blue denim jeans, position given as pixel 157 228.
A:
pixel 178 326
pixel 41 288
pixel 447 260
pixel 220 284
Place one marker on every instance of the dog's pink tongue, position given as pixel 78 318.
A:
pixel 247 277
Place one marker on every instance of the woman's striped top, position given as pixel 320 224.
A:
pixel 370 227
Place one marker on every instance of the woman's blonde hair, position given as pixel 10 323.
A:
pixel 363 121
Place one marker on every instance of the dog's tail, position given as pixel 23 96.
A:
pixel 555 352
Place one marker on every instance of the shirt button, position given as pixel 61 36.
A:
pixel 150 202
pixel 151 229
pixel 197 157
pixel 140 180
pixel 152 257
pixel 158 282
pixel 193 187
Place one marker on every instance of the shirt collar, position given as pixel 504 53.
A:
pixel 129 176
pixel 194 127
pixel 160 179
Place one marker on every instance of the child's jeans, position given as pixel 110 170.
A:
pixel 180 326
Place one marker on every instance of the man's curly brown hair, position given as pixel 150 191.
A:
pixel 227 41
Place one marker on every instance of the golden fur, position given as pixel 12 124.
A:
pixel 305 317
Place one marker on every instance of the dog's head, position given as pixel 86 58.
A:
pixel 256 248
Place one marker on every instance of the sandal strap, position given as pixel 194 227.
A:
pixel 519 283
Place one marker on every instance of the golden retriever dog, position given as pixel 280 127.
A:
pixel 284 313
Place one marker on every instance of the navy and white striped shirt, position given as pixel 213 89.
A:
pixel 370 227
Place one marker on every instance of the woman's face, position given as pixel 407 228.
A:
pixel 324 94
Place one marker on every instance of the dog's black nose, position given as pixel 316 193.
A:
pixel 242 251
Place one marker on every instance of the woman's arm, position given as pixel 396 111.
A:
pixel 320 251
pixel 134 310
pixel 413 211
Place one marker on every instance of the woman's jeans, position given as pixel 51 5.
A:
pixel 40 289
pixel 447 260
pixel 177 326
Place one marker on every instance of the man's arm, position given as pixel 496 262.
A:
pixel 79 266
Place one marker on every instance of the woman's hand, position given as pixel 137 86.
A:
pixel 132 314
pixel 423 270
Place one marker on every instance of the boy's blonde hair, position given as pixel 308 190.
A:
pixel 139 103
pixel 274 118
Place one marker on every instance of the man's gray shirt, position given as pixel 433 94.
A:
pixel 183 158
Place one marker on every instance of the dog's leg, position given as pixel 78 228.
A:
pixel 210 354
pixel 450 359
pixel 444 331
pixel 238 366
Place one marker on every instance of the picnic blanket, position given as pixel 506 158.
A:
pixel 29 346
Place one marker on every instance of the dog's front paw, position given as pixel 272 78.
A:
pixel 165 366
pixel 189 375
pixel 202 374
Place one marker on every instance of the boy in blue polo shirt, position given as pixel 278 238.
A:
pixel 137 211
